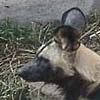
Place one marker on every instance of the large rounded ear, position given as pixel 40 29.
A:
pixel 75 18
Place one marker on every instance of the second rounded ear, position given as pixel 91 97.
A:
pixel 75 18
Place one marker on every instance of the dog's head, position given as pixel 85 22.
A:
pixel 54 60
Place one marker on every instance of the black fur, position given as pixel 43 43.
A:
pixel 41 70
pixel 69 33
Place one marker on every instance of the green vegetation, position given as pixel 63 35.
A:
pixel 18 44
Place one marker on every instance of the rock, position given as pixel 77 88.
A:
pixel 43 10
pixel 51 91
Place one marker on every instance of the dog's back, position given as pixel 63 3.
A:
pixel 87 64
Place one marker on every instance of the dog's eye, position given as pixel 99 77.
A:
pixel 57 41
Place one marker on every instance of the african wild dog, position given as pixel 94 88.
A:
pixel 66 61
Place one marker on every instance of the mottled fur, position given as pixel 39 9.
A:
pixel 67 62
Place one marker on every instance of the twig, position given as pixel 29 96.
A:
pixel 3 39
pixel 89 32
pixel 26 51
pixel 10 62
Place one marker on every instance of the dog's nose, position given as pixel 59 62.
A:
pixel 23 72
pixel 19 72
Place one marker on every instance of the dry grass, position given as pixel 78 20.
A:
pixel 17 46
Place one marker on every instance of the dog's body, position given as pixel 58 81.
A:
pixel 66 62
pixel 87 64
pixel 83 61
